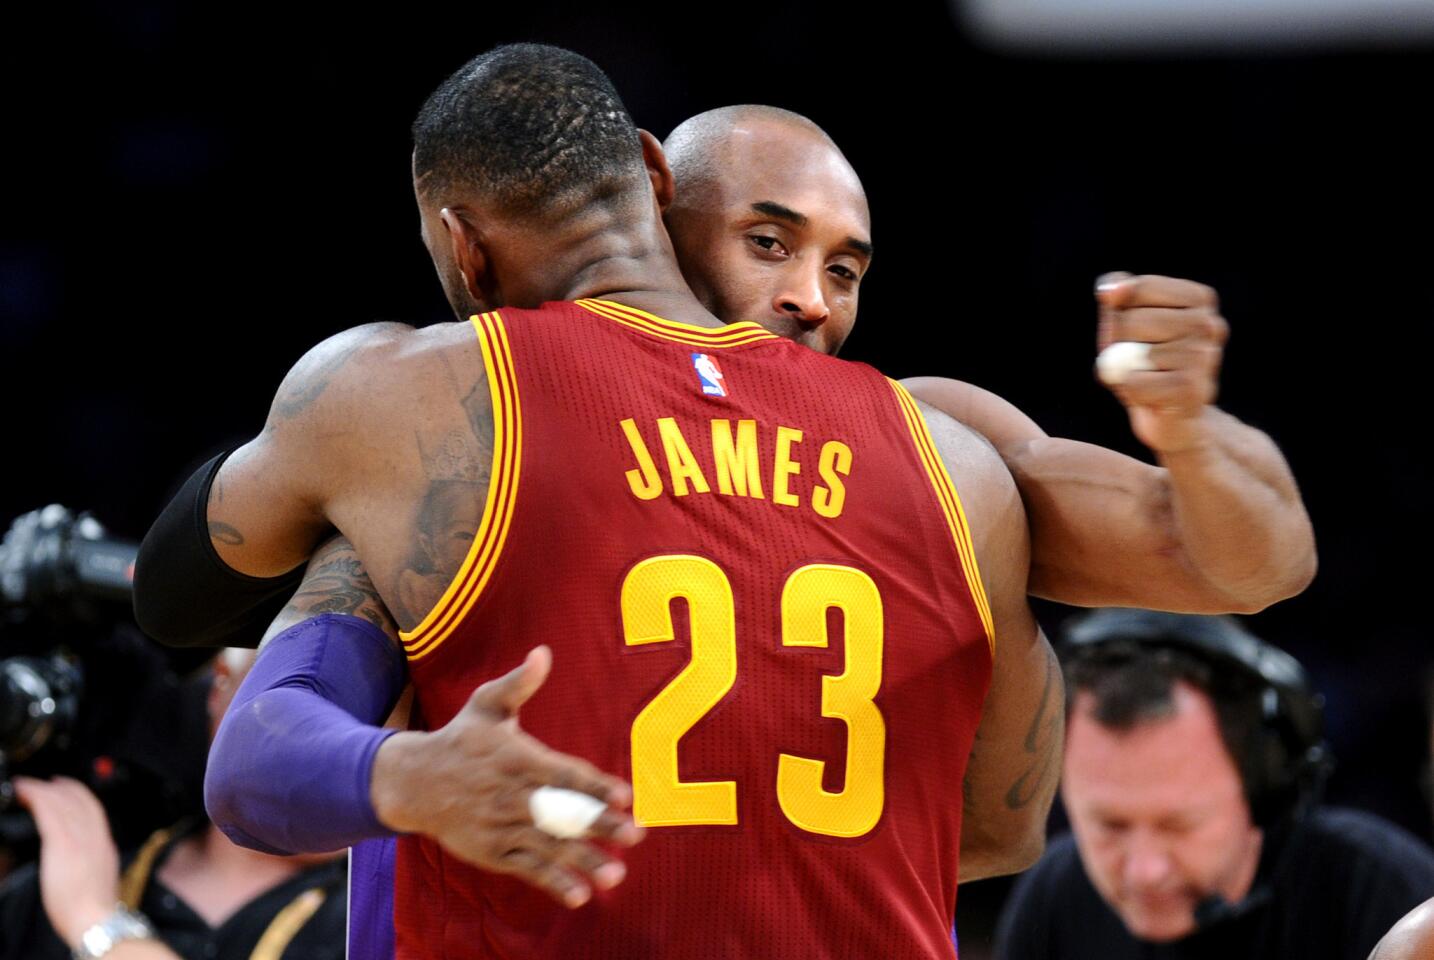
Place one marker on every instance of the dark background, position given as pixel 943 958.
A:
pixel 193 197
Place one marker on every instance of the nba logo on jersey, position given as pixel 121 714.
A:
pixel 709 375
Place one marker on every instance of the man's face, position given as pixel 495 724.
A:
pixel 1159 815
pixel 778 234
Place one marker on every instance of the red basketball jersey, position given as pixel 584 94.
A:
pixel 764 610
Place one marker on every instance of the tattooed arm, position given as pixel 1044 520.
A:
pixel 266 507
pixel 1012 772
pixel 335 582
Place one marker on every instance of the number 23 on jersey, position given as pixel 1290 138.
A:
pixel 660 797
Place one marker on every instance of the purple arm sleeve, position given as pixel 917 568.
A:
pixel 290 767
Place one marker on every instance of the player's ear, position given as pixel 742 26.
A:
pixel 658 171
pixel 465 243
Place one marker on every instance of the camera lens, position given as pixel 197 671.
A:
pixel 37 703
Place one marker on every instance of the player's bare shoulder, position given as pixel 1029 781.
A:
pixel 329 360
pixel 993 417
pixel 347 383
pixel 968 455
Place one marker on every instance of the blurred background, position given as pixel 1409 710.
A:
pixel 193 195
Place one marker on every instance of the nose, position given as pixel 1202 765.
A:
pixel 1147 861
pixel 801 298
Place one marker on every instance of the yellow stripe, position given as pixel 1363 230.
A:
pixel 510 413
pixel 732 335
pixel 750 332
pixel 689 329
pixel 136 875
pixel 950 502
pixel 956 515
pixel 287 924
pixel 488 544
pixel 477 567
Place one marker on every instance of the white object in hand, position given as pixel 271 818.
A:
pixel 1119 360
pixel 565 814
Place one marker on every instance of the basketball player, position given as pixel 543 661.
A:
pixel 618 475
pixel 770 223
pixel 1097 464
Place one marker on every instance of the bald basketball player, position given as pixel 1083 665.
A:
pixel 770 223
pixel 398 478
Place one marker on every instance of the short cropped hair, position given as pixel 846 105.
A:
pixel 1134 682
pixel 533 129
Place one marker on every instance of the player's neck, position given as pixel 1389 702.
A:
pixel 630 261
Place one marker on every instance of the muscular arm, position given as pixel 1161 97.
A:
pixel 1015 764
pixel 335 581
pixel 221 557
pixel 268 504
pixel 1217 529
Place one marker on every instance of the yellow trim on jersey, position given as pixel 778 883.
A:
pixel 732 335
pixel 950 502
pixel 468 584
pixel 287 924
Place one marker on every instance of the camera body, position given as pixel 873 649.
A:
pixel 82 692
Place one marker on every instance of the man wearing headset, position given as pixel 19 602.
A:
pixel 1193 760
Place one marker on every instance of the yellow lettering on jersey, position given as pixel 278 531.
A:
pixel 660 797
pixel 856 808
pixel 681 464
pixel 644 481
pixel 785 467
pixel 738 465
pixel 835 463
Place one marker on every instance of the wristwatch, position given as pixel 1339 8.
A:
pixel 124 924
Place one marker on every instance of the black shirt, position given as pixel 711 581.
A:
pixel 25 932
pixel 1335 887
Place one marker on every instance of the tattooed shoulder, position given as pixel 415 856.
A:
pixel 318 368
pixel 457 463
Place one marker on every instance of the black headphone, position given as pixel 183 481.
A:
pixel 1289 760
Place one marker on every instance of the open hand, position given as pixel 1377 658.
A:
pixel 467 786
pixel 79 865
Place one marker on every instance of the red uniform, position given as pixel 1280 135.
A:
pixel 764 610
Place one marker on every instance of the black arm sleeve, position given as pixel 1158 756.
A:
pixel 185 595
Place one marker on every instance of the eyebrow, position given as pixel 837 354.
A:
pixel 860 246
pixel 770 208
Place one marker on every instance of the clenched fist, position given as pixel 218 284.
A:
pixel 1181 322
